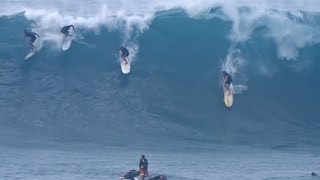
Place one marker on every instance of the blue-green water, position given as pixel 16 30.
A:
pixel 172 98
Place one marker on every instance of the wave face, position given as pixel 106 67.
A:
pixel 178 50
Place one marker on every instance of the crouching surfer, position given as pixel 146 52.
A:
pixel 65 30
pixel 124 54
pixel 227 80
pixel 33 37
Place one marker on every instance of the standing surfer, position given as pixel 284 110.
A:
pixel 65 30
pixel 227 80
pixel 33 37
pixel 124 54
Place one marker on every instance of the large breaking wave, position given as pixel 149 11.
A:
pixel 179 49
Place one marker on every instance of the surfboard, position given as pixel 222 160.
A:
pixel 125 68
pixel 67 40
pixel 228 97
pixel 30 54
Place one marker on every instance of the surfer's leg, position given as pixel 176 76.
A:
pixel 125 59
pixel 31 45
pixel 227 86
pixel 32 40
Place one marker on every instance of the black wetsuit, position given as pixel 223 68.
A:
pixel 143 163
pixel 65 30
pixel 124 52
pixel 229 79
pixel 31 35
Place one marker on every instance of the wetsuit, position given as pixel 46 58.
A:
pixel 229 79
pixel 65 30
pixel 124 52
pixel 31 35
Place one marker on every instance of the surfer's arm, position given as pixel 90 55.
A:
pixel 36 34
pixel 72 27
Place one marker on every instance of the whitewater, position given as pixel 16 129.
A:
pixel 74 115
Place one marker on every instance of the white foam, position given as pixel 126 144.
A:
pixel 135 17
pixel 133 49
pixel 238 89
pixel 234 65
pixel 132 18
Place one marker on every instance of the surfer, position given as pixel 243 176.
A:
pixel 124 54
pixel 32 36
pixel 143 165
pixel 227 80
pixel 65 30
pixel 313 174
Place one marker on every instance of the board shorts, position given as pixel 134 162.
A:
pixel 144 172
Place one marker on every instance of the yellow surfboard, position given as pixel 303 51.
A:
pixel 228 96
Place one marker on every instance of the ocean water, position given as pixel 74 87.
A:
pixel 74 115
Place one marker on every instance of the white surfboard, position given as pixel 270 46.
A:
pixel 67 40
pixel 125 68
pixel 228 96
pixel 30 54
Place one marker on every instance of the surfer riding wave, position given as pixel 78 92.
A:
pixel 33 37
pixel 227 80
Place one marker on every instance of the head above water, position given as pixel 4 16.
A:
pixel 224 73
pixel 25 31
pixel 142 156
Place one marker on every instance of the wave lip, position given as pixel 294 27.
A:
pixel 83 90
